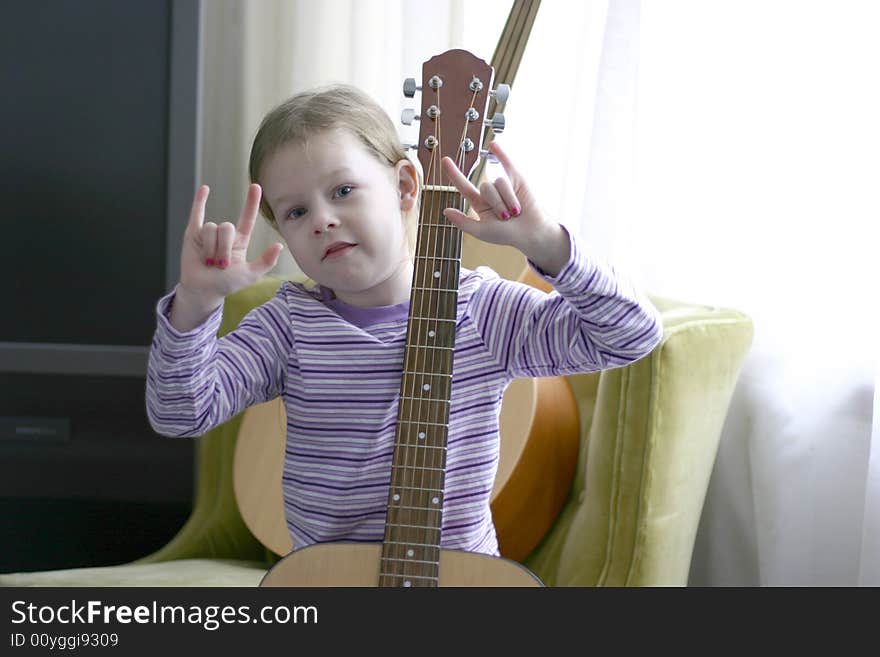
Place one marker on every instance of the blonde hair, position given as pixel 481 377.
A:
pixel 327 108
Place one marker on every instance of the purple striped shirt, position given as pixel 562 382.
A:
pixel 338 369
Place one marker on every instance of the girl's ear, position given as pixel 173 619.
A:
pixel 408 184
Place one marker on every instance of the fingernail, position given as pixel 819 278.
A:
pixel 515 212
pixel 210 262
pixel 504 215
pixel 222 264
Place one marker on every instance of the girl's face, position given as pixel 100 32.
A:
pixel 336 192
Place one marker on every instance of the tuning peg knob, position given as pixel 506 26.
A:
pixel 410 147
pixel 407 116
pixel 410 88
pixel 501 93
pixel 496 124
pixel 489 156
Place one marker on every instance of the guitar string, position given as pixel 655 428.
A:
pixel 434 218
pixel 395 531
pixel 412 447
pixel 454 241
pixel 408 473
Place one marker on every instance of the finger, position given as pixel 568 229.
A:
pixel 504 158
pixel 458 179
pixel 197 212
pixel 262 265
pixel 249 211
pixel 460 216
pixel 208 240
pixel 493 199
pixel 508 197
pixel 225 237
pixel 465 222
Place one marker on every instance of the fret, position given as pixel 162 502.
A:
pixel 435 289
pixel 418 257
pixel 430 424
pixel 421 446
pixel 432 347
pixel 418 508
pixel 440 226
pixel 430 490
pixel 409 576
pixel 413 544
pixel 431 527
pixel 426 399
pixel 407 560
pixel 433 424
pixel 416 467
pixel 427 373
pixel 406 446
pixel 440 188
pixel 433 319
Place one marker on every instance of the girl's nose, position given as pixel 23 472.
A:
pixel 322 219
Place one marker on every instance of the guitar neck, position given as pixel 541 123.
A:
pixel 415 506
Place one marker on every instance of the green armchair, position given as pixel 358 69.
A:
pixel 649 435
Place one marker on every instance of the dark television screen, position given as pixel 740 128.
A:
pixel 83 172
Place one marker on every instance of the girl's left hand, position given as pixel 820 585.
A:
pixel 508 213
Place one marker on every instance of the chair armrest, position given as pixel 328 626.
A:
pixel 649 435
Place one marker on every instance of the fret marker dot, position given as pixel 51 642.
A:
pixel 421 435
pixel 431 334
pixel 436 274
pixel 407 583
pixel 396 497
pixel 436 500
pixel 426 387
pixel 409 553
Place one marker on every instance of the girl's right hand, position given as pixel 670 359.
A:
pixel 213 261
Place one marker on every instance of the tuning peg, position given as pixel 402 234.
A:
pixel 490 157
pixel 501 93
pixel 496 124
pixel 410 88
pixel 410 147
pixel 407 116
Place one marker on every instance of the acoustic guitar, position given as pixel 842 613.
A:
pixel 539 428
pixel 411 555
pixel 539 422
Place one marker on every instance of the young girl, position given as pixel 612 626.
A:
pixel 332 178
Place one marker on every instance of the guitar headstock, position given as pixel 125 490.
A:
pixel 456 88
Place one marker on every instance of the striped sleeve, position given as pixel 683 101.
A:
pixel 196 381
pixel 593 320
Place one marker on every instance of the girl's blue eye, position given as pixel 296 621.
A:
pixel 296 213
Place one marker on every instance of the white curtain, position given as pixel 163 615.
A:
pixel 722 152
pixel 259 52
pixel 758 156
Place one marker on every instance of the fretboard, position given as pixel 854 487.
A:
pixel 411 549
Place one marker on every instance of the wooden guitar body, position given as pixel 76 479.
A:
pixel 539 448
pixel 357 564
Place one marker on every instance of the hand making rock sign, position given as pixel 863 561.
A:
pixel 213 260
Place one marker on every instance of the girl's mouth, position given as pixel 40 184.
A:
pixel 338 250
